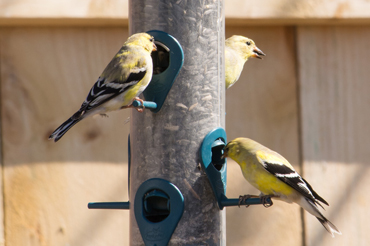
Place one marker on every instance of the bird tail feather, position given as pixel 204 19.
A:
pixel 311 207
pixel 63 128
pixel 330 227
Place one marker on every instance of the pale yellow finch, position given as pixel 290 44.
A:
pixel 273 175
pixel 237 51
pixel 122 81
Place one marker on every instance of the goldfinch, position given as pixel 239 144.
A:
pixel 273 175
pixel 237 51
pixel 122 81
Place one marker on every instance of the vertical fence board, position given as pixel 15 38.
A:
pixel 335 108
pixel 46 74
pixel 2 225
pixel 262 105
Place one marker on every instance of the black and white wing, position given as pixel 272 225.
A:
pixel 277 165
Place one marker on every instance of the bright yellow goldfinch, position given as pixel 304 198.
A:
pixel 273 175
pixel 122 81
pixel 237 51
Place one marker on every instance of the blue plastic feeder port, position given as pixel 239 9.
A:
pixel 217 149
pixel 215 167
pixel 167 63
pixel 158 208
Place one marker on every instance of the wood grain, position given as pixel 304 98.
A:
pixel 263 105
pixel 47 72
pixel 334 92
pixel 237 12
pixel 298 12
pixel 64 9
pixel 45 76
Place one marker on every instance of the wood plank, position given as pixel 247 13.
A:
pixel 290 21
pixel 2 219
pixel 237 12
pixel 123 22
pixel 263 105
pixel 45 75
pixel 63 22
pixel 299 10
pixel 47 185
pixel 64 9
pixel 334 92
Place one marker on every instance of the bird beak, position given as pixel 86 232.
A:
pixel 224 155
pixel 257 53
pixel 154 47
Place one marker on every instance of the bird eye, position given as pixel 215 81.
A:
pixel 151 40
pixel 248 43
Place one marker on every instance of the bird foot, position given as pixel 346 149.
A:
pixel 242 200
pixel 142 103
pixel 138 109
pixel 265 202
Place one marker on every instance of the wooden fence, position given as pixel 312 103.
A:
pixel 309 99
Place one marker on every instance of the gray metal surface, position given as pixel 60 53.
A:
pixel 166 144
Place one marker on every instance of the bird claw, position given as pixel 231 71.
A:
pixel 264 201
pixel 242 199
pixel 140 110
